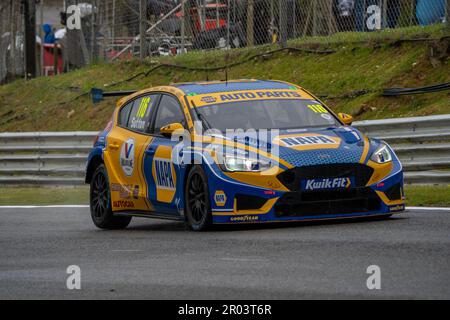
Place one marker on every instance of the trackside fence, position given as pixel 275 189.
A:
pixel 59 158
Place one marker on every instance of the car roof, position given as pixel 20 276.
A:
pixel 234 85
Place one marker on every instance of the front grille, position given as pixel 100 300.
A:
pixel 316 203
pixel 246 202
pixel 291 178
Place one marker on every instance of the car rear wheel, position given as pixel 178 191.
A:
pixel 198 208
pixel 100 202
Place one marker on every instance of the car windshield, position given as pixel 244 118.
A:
pixel 268 114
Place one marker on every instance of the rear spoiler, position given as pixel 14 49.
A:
pixel 98 95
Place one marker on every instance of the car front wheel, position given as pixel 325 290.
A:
pixel 198 208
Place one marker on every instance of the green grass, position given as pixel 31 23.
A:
pixel 434 196
pixel 12 195
pixel 381 62
pixel 423 196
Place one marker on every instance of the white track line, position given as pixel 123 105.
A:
pixel 86 206
pixel 428 208
pixel 34 207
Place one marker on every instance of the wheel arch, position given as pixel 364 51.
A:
pixel 94 162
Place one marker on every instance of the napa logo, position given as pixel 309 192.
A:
pixel 127 157
pixel 308 141
pixel 164 175
pixel 327 184
pixel 220 198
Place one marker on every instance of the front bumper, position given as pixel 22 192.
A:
pixel 246 203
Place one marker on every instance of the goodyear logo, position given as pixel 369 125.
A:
pixel 220 198
pixel 244 219
pixel 397 208
pixel 164 174
pixel 327 184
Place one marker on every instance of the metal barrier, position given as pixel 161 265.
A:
pixel 44 157
pixel 422 144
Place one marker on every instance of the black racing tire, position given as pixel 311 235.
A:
pixel 100 203
pixel 197 200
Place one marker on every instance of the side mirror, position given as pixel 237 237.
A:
pixel 345 118
pixel 168 130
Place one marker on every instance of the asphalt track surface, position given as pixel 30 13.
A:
pixel 161 260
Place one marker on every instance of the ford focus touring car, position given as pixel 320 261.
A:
pixel 233 152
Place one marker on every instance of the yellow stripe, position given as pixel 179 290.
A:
pixel 366 150
pixel 381 171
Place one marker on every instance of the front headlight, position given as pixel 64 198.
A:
pixel 382 155
pixel 234 164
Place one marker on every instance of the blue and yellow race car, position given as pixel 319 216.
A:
pixel 245 151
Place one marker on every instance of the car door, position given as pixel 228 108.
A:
pixel 164 177
pixel 124 154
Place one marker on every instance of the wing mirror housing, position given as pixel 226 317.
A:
pixel 168 130
pixel 345 118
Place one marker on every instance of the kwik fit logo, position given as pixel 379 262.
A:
pixel 328 183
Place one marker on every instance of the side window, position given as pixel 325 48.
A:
pixel 124 114
pixel 140 116
pixel 169 111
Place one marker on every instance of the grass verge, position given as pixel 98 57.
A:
pixel 12 195
pixel 430 196
pixel 395 58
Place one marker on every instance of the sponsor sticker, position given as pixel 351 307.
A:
pixel 220 198
pixel 136 192
pixel 327 183
pixel 123 204
pixel 209 99
pixel 127 157
pixel 297 141
pixel 317 108
pixel 126 191
pixel 400 207
pixel 258 95
pixel 308 141
pixel 244 218
pixel 234 96
pixel 164 174
pixel 138 122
